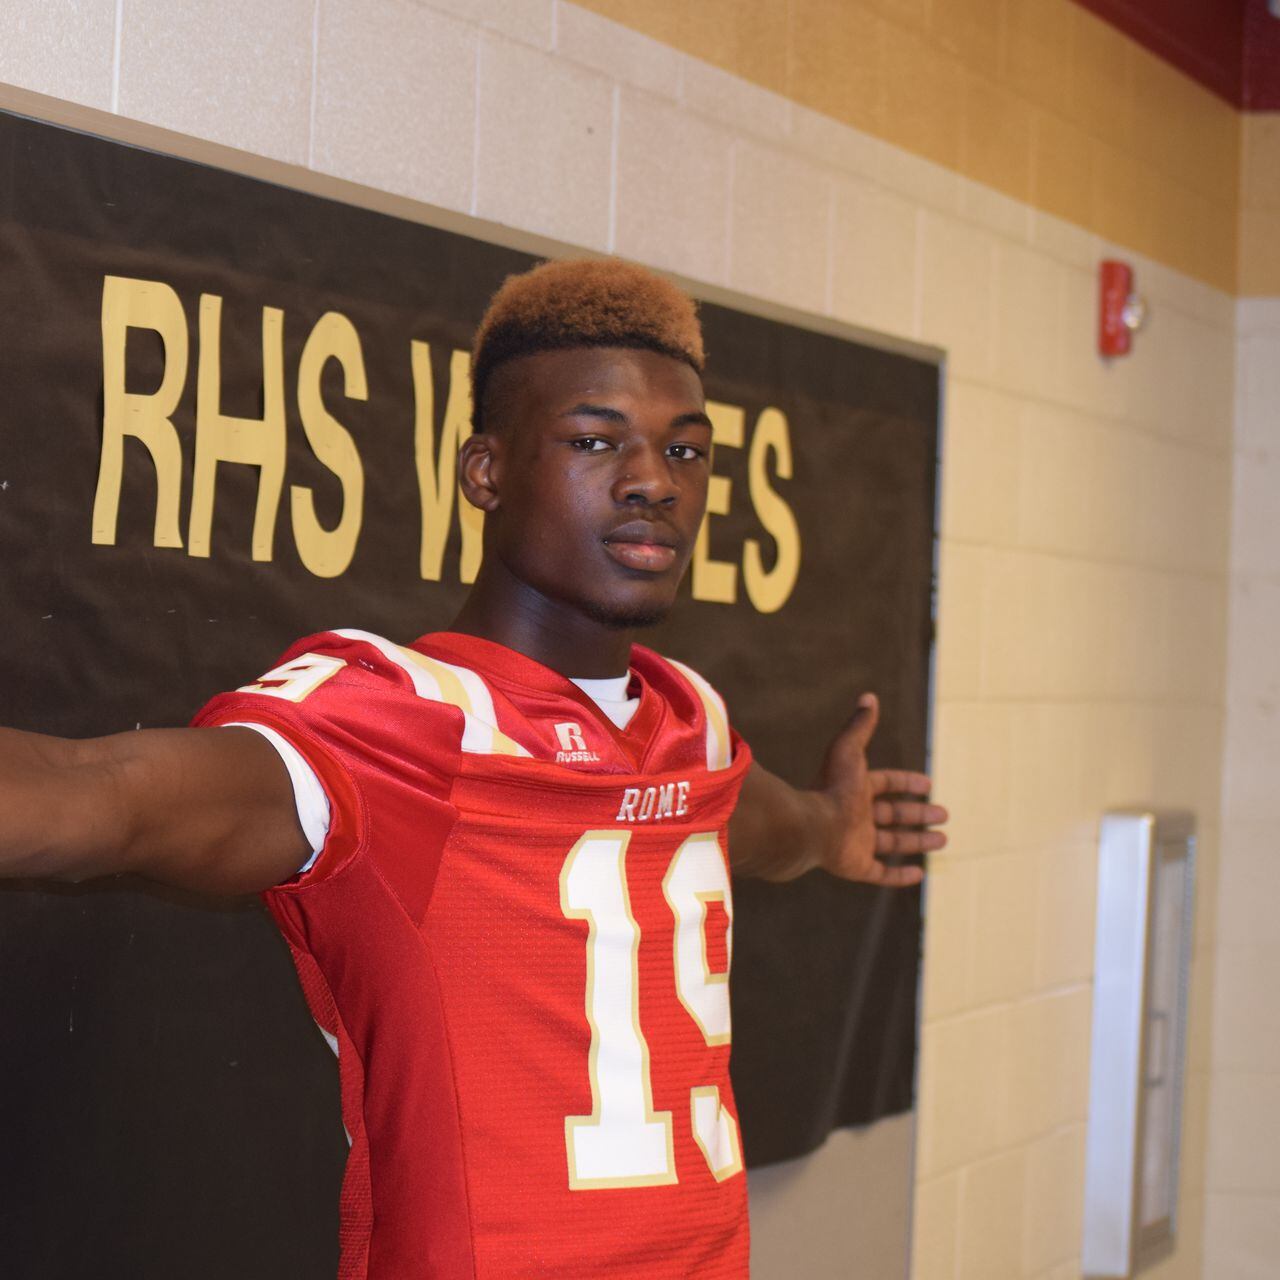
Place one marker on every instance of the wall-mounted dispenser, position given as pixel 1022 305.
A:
pixel 1142 954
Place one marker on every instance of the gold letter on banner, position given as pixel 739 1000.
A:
pixel 140 304
pixel 327 552
pixel 770 589
pixel 717 580
pixel 251 441
pixel 438 470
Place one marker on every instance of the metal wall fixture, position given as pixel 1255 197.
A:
pixel 1142 955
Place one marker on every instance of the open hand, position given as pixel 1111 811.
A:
pixel 875 813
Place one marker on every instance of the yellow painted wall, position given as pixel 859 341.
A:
pixel 1260 206
pixel 1037 98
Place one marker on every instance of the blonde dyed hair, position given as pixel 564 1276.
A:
pixel 583 303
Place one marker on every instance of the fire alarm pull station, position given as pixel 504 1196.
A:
pixel 1123 312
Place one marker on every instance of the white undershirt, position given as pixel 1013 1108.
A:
pixel 611 697
pixel 314 814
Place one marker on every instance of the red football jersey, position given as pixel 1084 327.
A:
pixel 518 934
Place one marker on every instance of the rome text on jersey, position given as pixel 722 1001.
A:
pixel 652 804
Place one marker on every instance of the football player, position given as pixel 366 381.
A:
pixel 501 854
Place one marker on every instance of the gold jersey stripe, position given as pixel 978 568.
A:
pixel 455 686
pixel 718 742
pixel 465 689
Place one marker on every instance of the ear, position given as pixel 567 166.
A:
pixel 479 465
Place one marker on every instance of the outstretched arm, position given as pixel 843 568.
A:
pixel 204 809
pixel 846 825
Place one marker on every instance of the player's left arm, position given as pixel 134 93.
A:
pixel 854 818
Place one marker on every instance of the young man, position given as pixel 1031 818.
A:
pixel 500 855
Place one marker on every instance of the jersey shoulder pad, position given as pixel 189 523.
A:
pixel 362 657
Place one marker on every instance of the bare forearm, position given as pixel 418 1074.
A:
pixel 56 817
pixel 778 832
pixel 204 809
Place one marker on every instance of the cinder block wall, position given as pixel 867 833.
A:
pixel 909 172
pixel 1243 1205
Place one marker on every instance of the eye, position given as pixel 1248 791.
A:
pixel 685 452
pixel 590 444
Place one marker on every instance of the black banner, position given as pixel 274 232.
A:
pixel 228 419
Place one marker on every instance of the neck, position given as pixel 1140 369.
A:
pixel 509 612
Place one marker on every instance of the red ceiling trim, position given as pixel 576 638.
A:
pixel 1261 58
pixel 1232 47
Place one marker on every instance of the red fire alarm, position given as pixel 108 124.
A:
pixel 1122 312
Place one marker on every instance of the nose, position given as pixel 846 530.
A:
pixel 645 478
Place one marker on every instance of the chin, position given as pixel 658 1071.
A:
pixel 626 617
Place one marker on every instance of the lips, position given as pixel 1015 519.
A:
pixel 642 545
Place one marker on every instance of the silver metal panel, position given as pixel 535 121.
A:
pixel 1141 958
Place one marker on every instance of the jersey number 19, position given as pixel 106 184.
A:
pixel 624 1142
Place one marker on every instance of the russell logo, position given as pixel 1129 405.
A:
pixel 573 746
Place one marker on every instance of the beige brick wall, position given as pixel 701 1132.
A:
pixel 1243 1178
pixel 1086 508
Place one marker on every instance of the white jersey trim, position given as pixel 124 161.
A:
pixel 314 813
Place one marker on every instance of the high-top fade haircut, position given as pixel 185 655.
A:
pixel 582 303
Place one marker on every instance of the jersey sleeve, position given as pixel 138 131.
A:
pixel 386 758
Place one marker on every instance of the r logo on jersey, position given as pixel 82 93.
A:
pixel 573 746
pixel 570 736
